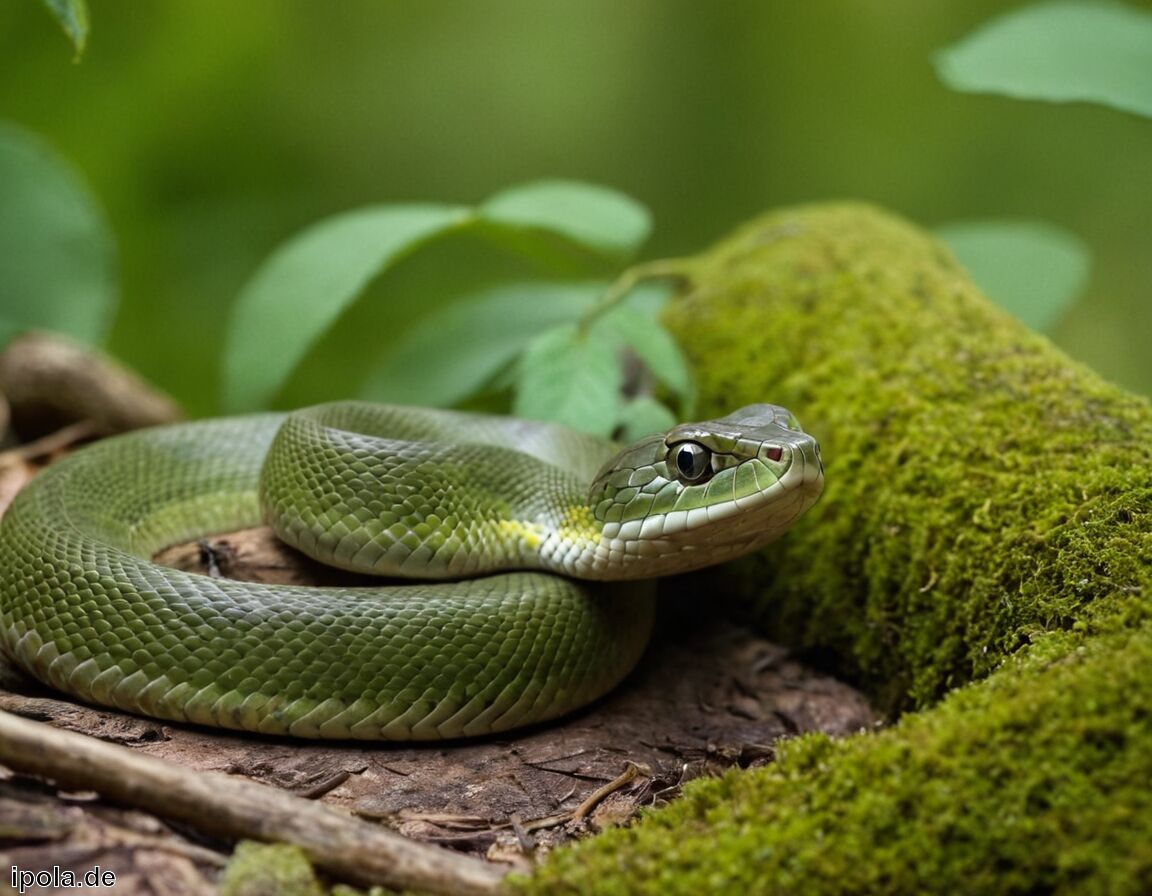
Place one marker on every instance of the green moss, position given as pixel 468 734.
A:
pixel 1033 782
pixel 269 869
pixel 986 533
pixel 981 486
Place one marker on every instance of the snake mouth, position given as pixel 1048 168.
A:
pixel 787 478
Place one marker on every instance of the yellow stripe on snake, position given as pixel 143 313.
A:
pixel 523 542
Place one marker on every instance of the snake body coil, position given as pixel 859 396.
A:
pixel 506 514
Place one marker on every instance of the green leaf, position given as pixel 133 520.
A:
pixel 643 416
pixel 454 351
pixel 596 218
pixel 654 345
pixel 570 377
pixel 309 283
pixel 649 297
pixel 1030 268
pixel 72 16
pixel 305 284
pixel 1059 52
pixel 57 258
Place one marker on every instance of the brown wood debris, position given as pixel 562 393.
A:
pixel 49 382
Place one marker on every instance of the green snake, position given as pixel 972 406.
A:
pixel 522 536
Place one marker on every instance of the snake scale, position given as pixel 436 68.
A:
pixel 519 540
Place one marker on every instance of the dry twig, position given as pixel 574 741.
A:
pixel 348 848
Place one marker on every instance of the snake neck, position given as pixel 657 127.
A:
pixel 437 495
pixel 420 510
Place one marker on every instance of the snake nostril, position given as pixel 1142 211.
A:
pixel 773 452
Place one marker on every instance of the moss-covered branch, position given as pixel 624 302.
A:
pixel 988 519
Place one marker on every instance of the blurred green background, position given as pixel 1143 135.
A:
pixel 211 131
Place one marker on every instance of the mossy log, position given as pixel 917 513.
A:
pixel 981 561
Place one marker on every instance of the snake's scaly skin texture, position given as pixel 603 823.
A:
pixel 421 493
pixel 83 608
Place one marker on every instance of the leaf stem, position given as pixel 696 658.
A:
pixel 660 269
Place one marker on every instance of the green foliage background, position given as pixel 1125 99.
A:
pixel 212 131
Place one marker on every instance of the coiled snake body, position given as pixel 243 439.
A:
pixel 401 492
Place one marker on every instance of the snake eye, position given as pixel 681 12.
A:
pixel 692 461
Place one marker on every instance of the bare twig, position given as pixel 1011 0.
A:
pixel 49 444
pixel 224 806
pixel 527 844
pixel 596 796
pixel 320 788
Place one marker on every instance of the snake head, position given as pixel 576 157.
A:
pixel 705 492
